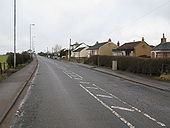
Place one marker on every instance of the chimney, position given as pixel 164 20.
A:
pixel 97 42
pixel 109 40
pixel 143 40
pixel 118 44
pixel 163 40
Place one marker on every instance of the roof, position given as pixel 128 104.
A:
pixel 163 46
pixel 128 46
pixel 79 49
pixel 97 46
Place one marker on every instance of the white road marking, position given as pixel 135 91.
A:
pixel 76 74
pixel 67 74
pixel 84 82
pixel 121 108
pixel 113 96
pixel 91 88
pixel 105 105
pixel 138 110
pixel 78 78
pixel 105 96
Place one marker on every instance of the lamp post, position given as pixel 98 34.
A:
pixel 31 36
pixel 33 45
pixel 14 33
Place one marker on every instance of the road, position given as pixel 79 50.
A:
pixel 65 95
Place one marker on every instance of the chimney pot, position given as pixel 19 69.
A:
pixel 163 40
pixel 109 40
pixel 143 39
pixel 118 44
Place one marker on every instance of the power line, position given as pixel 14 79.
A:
pixel 146 14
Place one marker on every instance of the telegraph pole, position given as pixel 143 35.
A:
pixel 15 33
pixel 69 51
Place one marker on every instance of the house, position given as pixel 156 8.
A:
pixel 136 48
pixel 63 53
pixel 104 48
pixel 81 51
pixel 162 50
pixel 76 46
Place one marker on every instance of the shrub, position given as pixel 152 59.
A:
pixel 20 58
pixel 133 64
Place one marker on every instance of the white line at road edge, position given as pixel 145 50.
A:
pixel 114 112
pixel 146 115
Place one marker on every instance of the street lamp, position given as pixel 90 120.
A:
pixel 31 36
pixel 33 45
pixel 14 33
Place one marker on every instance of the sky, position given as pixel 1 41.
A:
pixel 88 21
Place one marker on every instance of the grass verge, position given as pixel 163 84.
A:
pixel 11 71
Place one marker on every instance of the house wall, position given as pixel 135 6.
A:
pixel 84 52
pixel 160 54
pixel 117 53
pixel 107 49
pixel 76 54
pixel 142 49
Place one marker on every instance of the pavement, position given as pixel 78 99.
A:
pixel 165 86
pixel 11 88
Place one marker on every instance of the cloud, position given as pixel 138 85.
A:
pixel 82 20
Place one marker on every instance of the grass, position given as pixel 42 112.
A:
pixel 11 71
pixel 3 58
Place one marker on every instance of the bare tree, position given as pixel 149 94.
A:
pixel 57 48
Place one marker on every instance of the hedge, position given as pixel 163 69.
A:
pixel 20 58
pixel 133 64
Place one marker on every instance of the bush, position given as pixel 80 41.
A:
pixel 20 58
pixel 133 64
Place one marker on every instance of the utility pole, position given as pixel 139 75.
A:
pixel 69 51
pixel 47 52
pixel 31 37
pixel 15 33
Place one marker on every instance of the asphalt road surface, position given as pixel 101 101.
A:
pixel 64 95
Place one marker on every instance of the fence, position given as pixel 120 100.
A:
pixel 3 67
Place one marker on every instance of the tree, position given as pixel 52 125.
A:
pixel 57 48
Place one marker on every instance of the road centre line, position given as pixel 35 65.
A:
pixel 121 108
pixel 105 105
pixel 138 110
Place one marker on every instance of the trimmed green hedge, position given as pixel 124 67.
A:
pixel 133 64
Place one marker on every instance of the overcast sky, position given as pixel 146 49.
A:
pixel 83 21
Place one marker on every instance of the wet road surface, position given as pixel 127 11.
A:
pixel 64 95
